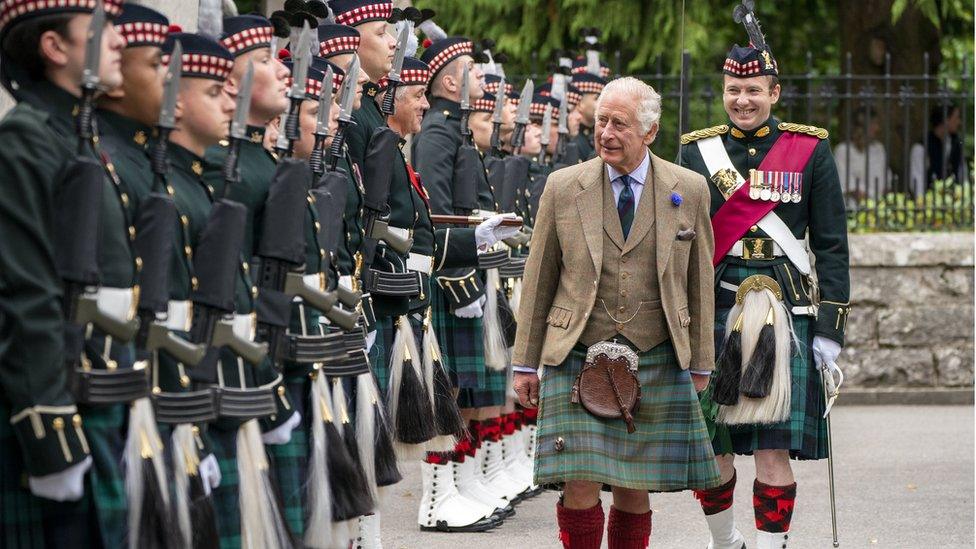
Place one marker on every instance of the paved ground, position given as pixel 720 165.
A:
pixel 904 477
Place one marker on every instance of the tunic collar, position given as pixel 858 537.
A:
pixel 763 130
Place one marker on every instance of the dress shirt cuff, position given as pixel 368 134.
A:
pixel 701 373
pixel 519 369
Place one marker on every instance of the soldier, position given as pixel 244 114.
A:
pixel 590 86
pixel 774 184
pixel 44 442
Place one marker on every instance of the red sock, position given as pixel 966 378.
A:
pixel 474 431
pixel 439 458
pixel 715 500
pixel 628 530
pixel 507 425
pixel 773 506
pixel 491 430
pixel 580 528
pixel 530 415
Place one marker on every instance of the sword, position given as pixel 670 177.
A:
pixel 167 116
pixel 522 116
pixel 496 119
pixel 238 129
pixel 90 79
pixel 466 135
pixel 322 125
pixel 831 388
pixel 347 97
pixel 546 131
pixel 393 77
pixel 302 58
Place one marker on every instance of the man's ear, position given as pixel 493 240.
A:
pixel 651 134
pixel 774 94
pixel 53 48
pixel 178 111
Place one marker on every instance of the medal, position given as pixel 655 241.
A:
pixel 754 176
pixel 798 188
pixel 787 187
pixel 777 185
pixel 764 192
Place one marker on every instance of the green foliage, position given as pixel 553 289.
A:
pixel 248 6
pixel 947 205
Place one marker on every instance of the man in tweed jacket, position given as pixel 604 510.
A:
pixel 621 251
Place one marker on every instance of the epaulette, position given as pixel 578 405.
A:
pixel 691 137
pixel 819 133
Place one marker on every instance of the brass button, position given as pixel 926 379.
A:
pixel 622 309
pixel 318 226
pixel 76 420
pixel 753 229
pixel 184 381
pixel 752 151
pixel 132 232
pixel 623 293
pixel 138 264
pixel 246 267
pixel 156 390
pixel 560 444
pixel 170 190
pixel 281 390
pixel 254 291
pixel 184 220
pixel 188 251
pixel 195 283
pixel 125 199
pixel 311 199
pixel 58 423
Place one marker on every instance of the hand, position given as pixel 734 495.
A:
pixel 825 351
pixel 700 382
pixel 527 388
pixel 209 473
pixel 282 433
pixel 474 310
pixel 490 231
pixel 67 485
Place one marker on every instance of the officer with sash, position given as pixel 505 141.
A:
pixel 47 447
pixel 774 188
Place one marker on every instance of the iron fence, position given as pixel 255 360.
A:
pixel 881 129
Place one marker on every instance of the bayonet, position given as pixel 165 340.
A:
pixel 322 124
pixel 393 77
pixel 522 116
pixel 496 118
pixel 466 135
pixel 93 48
pixel 347 98
pixel 301 59
pixel 238 129
pixel 544 140
pixel 562 129
pixel 167 116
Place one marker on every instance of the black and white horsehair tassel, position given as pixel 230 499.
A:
pixel 411 413
pixel 319 532
pixel 150 521
pixel 728 367
pixel 358 491
pixel 196 518
pixel 262 519
pixel 757 375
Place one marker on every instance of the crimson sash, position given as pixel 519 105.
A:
pixel 790 153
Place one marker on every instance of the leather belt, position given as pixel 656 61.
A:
pixel 179 315
pixel 306 349
pixel 392 284
pixel 110 386
pixel 192 407
pixel 117 303
pixel 761 249
pixel 493 260
pixel 420 263
pixel 514 269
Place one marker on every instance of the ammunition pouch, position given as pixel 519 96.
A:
pixel 515 268
pixel 191 407
pixel 392 284
pixel 307 349
pixel 248 403
pixel 493 260
pixel 97 386
pixel 463 290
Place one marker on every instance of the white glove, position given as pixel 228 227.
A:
pixel 825 350
pixel 209 473
pixel 282 433
pixel 474 310
pixel 489 232
pixel 370 340
pixel 67 485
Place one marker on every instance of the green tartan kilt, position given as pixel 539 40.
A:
pixel 289 461
pixel 492 394
pixel 460 339
pixel 29 522
pixel 225 497
pixel 104 428
pixel 804 434
pixel 670 450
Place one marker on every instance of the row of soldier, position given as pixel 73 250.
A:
pixel 225 299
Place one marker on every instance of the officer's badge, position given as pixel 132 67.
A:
pixel 197 168
pixel 140 138
pixel 257 138
pixel 767 59
pixel 726 181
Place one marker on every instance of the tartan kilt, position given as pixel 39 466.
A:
pixel 104 428
pixel 804 434
pixel 670 450
pixel 461 343
pixel 492 394
pixel 29 522
pixel 288 462
pixel 225 497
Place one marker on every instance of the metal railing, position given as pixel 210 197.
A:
pixel 879 128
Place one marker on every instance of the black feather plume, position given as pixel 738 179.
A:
pixel 317 8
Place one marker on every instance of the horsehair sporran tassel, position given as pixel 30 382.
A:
pixel 411 413
pixel 446 412
pixel 775 407
pixel 728 367
pixel 516 299
pixel 366 430
pixel 757 374
pixel 496 351
pixel 359 489
pixel 387 471
pixel 145 479
pixel 318 532
pixel 261 519
pixel 185 460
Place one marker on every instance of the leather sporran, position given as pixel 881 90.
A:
pixel 607 386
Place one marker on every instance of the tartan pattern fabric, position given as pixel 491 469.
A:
pixel 289 462
pixel 464 47
pixel 104 428
pixel 385 332
pixel 408 77
pixel 492 393
pixel 773 506
pixel 804 434
pixel 669 451
pixel 226 502
pixel 461 343
pixel 588 87
pixel 741 69
pixel 715 500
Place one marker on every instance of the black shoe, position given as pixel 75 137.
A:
pixel 482 525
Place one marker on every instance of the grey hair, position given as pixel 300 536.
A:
pixel 648 100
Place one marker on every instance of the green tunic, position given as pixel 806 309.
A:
pixel 127 142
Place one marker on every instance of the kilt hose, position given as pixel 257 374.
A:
pixel 29 522
pixel 804 434
pixel 670 451
pixel 462 346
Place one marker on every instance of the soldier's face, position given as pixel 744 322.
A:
pixel 141 94
pixel 508 120
pixel 411 104
pixel 68 52
pixel 306 129
pixel 620 140
pixel 376 47
pixel 533 140
pixel 587 109
pixel 475 77
pixel 748 101
pixel 205 108
pixel 270 85
pixel 480 124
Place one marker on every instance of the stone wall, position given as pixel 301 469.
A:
pixel 911 325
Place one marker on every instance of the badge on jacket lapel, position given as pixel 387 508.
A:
pixel 775 186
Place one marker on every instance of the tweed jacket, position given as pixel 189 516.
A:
pixel 563 269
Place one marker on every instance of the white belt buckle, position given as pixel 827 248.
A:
pixel 420 263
